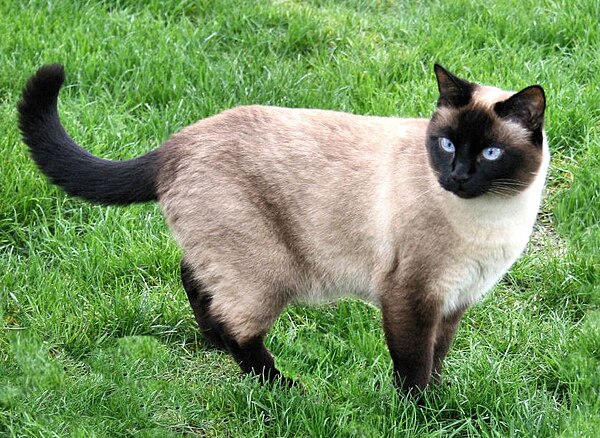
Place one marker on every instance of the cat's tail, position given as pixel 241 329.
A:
pixel 67 164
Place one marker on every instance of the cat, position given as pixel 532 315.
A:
pixel 273 206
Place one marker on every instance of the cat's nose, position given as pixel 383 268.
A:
pixel 460 177
pixel 461 172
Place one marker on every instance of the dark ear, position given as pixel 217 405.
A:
pixel 454 91
pixel 526 107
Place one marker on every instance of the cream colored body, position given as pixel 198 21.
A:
pixel 359 197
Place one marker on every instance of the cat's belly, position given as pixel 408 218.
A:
pixel 318 292
pixel 468 281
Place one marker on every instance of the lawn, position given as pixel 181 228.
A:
pixel 96 335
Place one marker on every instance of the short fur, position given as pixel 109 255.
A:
pixel 273 206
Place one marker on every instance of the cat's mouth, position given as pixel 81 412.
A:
pixel 463 191
pixel 465 194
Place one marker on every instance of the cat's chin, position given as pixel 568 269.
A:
pixel 466 195
pixel 461 192
pixel 471 194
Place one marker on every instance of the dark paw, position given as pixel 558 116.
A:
pixel 414 395
pixel 440 381
pixel 291 383
pixel 278 379
pixel 411 390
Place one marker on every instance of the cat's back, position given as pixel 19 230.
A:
pixel 255 127
pixel 304 150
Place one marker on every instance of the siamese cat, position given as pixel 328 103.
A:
pixel 273 206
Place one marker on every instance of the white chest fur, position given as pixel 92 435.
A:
pixel 475 274
pixel 492 232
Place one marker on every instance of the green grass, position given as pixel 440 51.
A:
pixel 96 336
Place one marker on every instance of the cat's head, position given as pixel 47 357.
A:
pixel 484 140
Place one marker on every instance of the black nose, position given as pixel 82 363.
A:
pixel 460 177
pixel 461 171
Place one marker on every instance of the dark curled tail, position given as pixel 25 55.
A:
pixel 67 164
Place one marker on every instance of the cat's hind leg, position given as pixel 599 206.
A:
pixel 200 300
pixel 236 320
pixel 245 316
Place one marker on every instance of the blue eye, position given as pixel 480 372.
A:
pixel 446 145
pixel 492 153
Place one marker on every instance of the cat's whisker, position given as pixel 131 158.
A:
pixel 510 181
pixel 509 184
pixel 416 178
pixel 425 165
pixel 416 157
pixel 505 185
pixel 420 195
pixel 501 193
pixel 509 188
pixel 505 190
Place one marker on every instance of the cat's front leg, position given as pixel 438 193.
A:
pixel 410 320
pixel 444 337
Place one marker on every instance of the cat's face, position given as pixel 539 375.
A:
pixel 480 145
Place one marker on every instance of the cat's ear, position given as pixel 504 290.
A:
pixel 454 91
pixel 526 107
